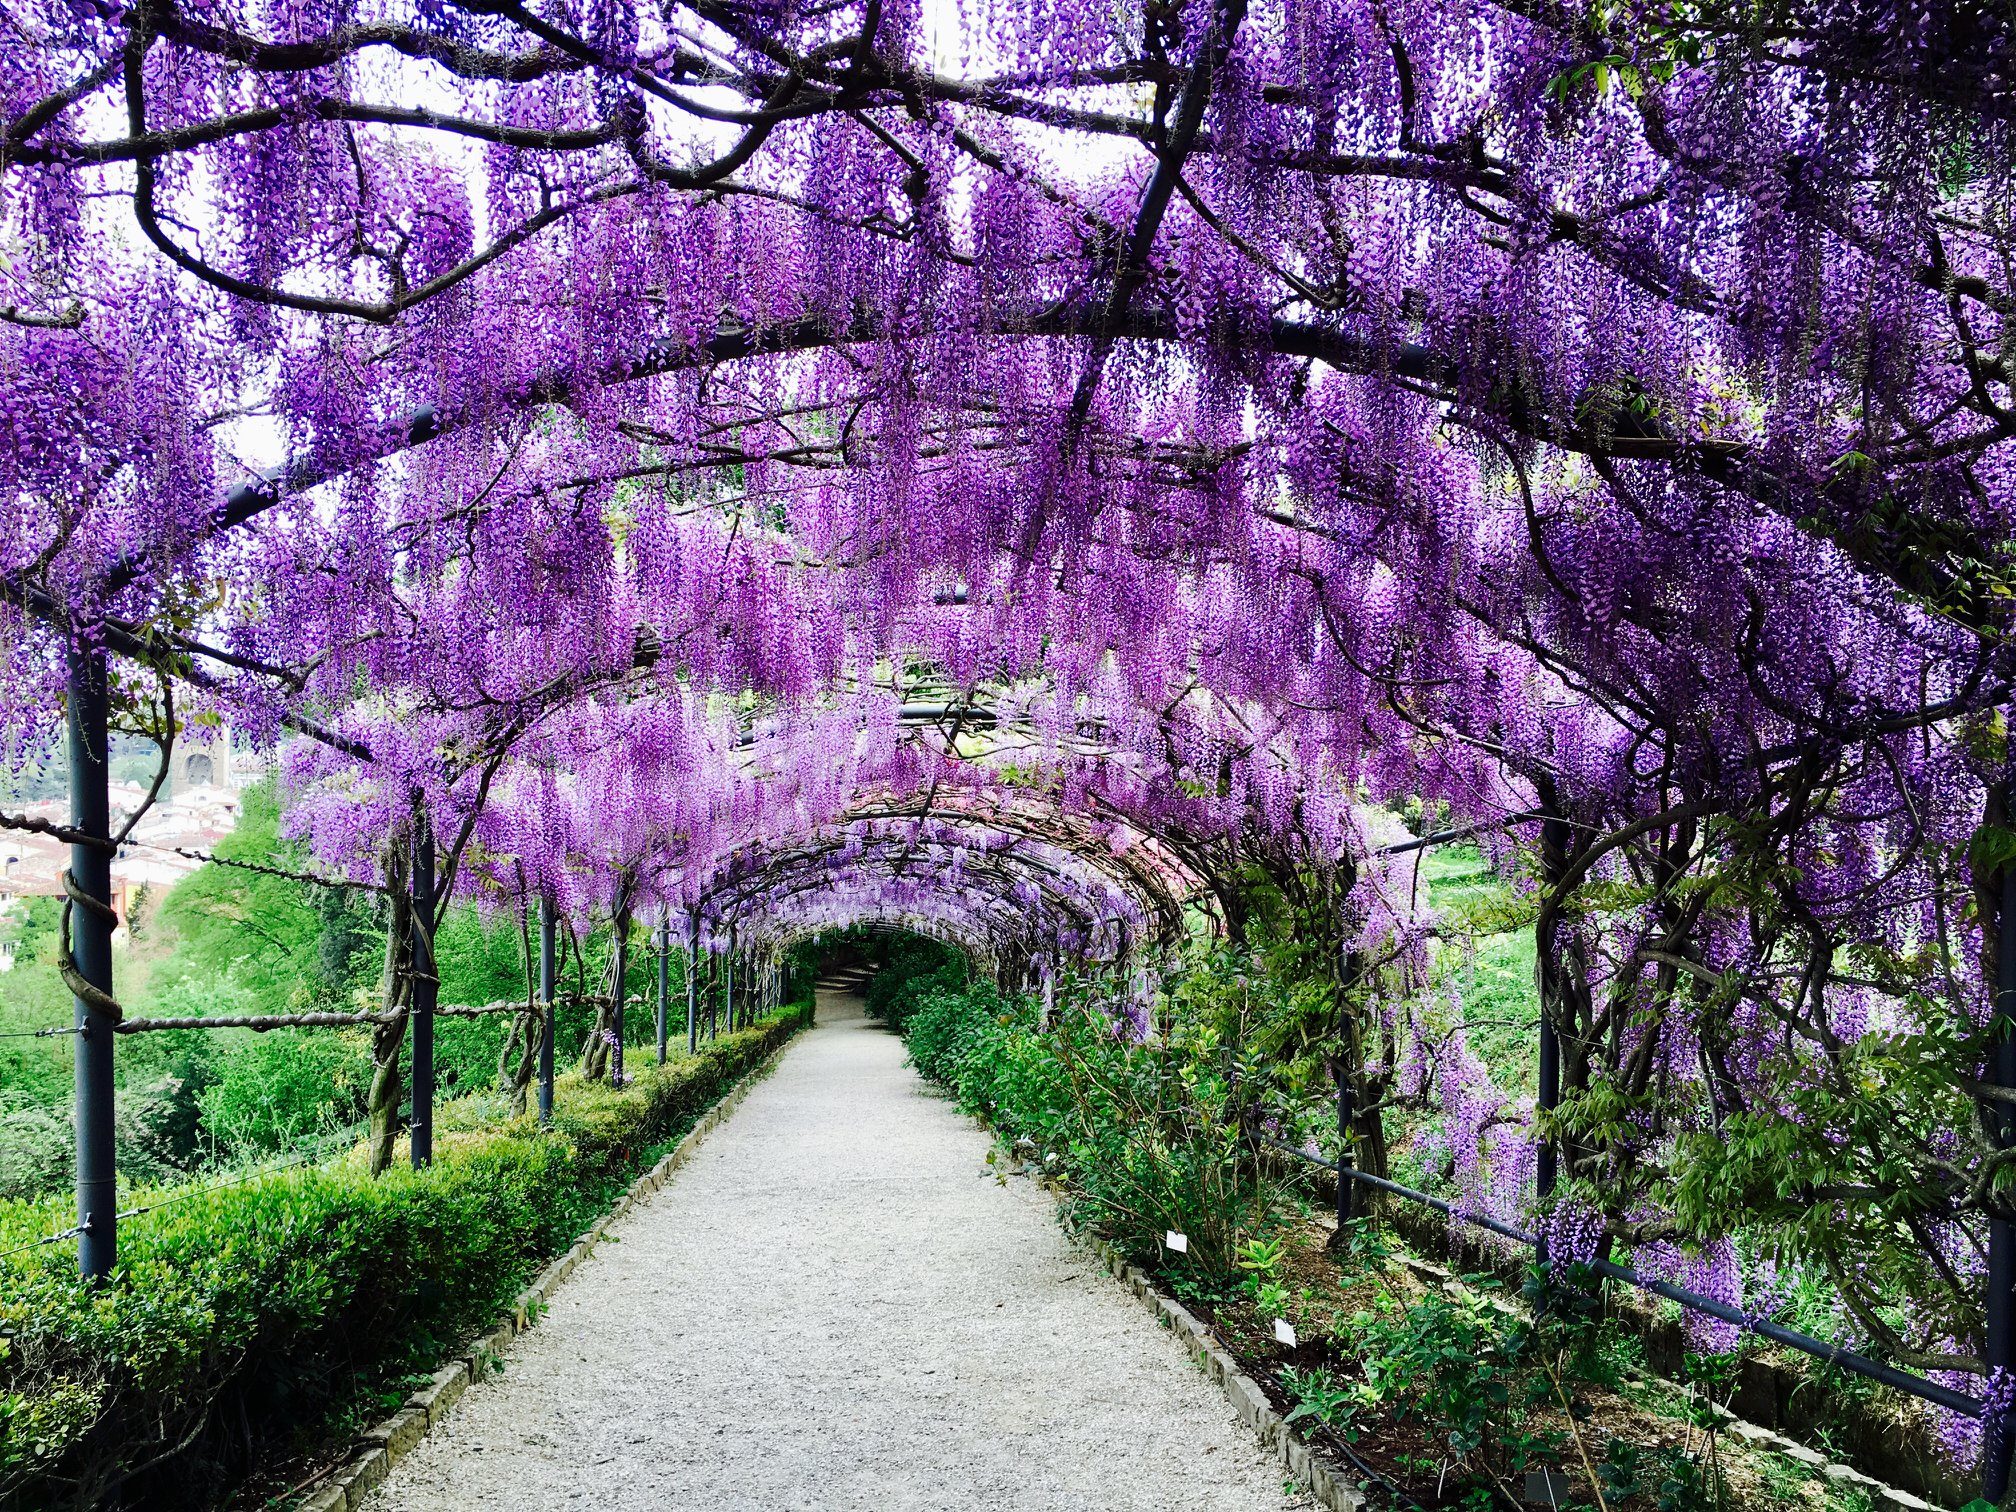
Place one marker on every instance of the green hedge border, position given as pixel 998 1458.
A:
pixel 254 1321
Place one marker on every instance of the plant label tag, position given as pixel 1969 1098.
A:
pixel 1177 1242
pixel 1550 1487
pixel 1284 1332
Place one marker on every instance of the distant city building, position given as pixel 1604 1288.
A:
pixel 202 759
pixel 199 806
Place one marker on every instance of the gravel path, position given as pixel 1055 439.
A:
pixel 836 1305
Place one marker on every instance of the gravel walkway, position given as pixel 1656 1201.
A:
pixel 836 1305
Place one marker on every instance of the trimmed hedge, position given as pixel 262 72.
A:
pixel 247 1321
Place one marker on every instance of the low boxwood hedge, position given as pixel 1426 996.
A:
pixel 247 1319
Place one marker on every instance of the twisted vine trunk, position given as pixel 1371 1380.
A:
pixel 388 1084
pixel 604 1048
pixel 1561 972
pixel 526 1028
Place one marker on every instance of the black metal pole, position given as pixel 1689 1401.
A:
pixel 1819 1349
pixel 1554 860
pixel 426 989
pixel 1346 1156
pixel 728 981
pixel 91 924
pixel 664 976
pixel 548 970
pixel 693 984
pixel 1999 1352
pixel 619 951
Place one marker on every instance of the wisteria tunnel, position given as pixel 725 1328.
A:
pixel 1344 665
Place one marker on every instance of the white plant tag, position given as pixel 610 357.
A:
pixel 1177 1242
pixel 1284 1332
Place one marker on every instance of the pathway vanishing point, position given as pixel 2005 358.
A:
pixel 836 1305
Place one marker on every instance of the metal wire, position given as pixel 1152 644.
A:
pixel 22 1249
pixel 1693 1301
pixel 315 1149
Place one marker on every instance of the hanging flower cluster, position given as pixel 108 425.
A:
pixel 775 468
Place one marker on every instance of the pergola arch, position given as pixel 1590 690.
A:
pixel 1014 894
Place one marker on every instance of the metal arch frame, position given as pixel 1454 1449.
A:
pixel 996 929
pixel 249 501
pixel 760 858
pixel 1164 882
pixel 806 857
pixel 1075 895
pixel 975 945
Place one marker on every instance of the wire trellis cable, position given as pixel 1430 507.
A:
pixel 317 1148
pixel 46 1239
pixel 1777 1333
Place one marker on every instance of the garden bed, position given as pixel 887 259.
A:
pixel 1446 1394
pixel 1648 1444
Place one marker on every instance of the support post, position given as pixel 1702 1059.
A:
pixel 1346 1158
pixel 728 982
pixel 693 983
pixel 426 989
pixel 1553 863
pixel 664 976
pixel 1999 1351
pixel 89 886
pixel 548 971
pixel 1348 965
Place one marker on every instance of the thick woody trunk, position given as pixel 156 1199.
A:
pixel 387 1081
pixel 528 1030
pixel 519 1059
pixel 1561 972
pixel 599 1052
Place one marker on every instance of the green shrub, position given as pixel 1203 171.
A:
pixel 1144 1133
pixel 280 1087
pixel 35 1151
pixel 245 1316
pixel 913 969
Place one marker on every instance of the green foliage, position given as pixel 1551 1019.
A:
pixel 1493 965
pixel 1499 1392
pixel 227 941
pixel 262 933
pixel 1260 1259
pixel 1145 1133
pixel 1673 1480
pixel 1446 1362
pixel 1316 1395
pixel 282 1087
pixel 251 1311
pixel 34 1073
pixel 35 1150
pixel 909 968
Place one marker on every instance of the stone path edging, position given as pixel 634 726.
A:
pixel 1300 1459
pixel 383 1445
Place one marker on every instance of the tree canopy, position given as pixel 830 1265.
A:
pixel 1047 473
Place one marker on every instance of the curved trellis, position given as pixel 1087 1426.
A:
pixel 1332 400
